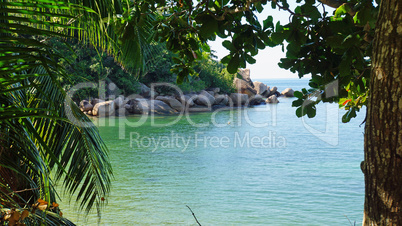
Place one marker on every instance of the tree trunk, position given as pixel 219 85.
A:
pixel 382 165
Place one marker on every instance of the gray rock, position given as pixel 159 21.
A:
pixel 288 92
pixel 245 74
pixel 205 99
pixel 187 99
pixel 86 106
pixel 172 102
pixel 95 101
pixel 273 90
pixel 103 108
pixel 260 87
pixel 144 106
pixel 272 100
pixel 242 86
pixel 221 99
pixel 145 90
pixel 239 99
pixel 256 100
pixel 119 102
pixel 215 90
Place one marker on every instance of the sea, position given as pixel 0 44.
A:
pixel 260 165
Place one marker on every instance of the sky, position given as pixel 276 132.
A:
pixel 266 66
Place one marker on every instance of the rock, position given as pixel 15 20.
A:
pixel 187 99
pixel 239 99
pixel 85 105
pixel 144 106
pixel 205 99
pixel 272 100
pixel 267 93
pixel 256 100
pixel 288 92
pixel 221 99
pixel 145 90
pixel 242 86
pixel 95 101
pixel 103 108
pixel 89 113
pixel 260 87
pixel 172 102
pixel 211 92
pixel 215 90
pixel 245 74
pixel 273 90
pixel 119 102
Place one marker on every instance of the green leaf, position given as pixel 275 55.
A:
pixel 234 64
pixel 228 45
pixel 297 102
pixel 342 10
pixel 298 94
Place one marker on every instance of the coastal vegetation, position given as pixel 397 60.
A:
pixel 353 57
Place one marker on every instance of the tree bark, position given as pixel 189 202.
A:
pixel 382 165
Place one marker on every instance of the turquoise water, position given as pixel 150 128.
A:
pixel 260 165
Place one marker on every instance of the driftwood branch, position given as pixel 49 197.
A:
pixel 194 215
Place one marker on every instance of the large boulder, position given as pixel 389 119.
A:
pixel 274 89
pixel 239 99
pixel 221 99
pixel 260 87
pixel 95 101
pixel 119 102
pixel 288 92
pixel 243 87
pixel 145 90
pixel 205 99
pixel 86 105
pixel 245 74
pixel 215 90
pixel 272 100
pixel 105 108
pixel 187 99
pixel 267 93
pixel 144 106
pixel 172 102
pixel 256 100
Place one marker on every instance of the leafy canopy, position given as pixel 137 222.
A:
pixel 329 47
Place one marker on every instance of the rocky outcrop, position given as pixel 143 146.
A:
pixel 145 91
pixel 205 99
pixel 145 106
pixel 119 102
pixel 272 100
pixel 221 99
pixel 94 101
pixel 239 99
pixel 104 108
pixel 256 100
pixel 245 74
pixel 188 100
pixel 288 92
pixel 215 90
pixel 260 87
pixel 172 102
pixel 86 105
pixel 243 87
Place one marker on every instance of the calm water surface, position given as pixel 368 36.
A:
pixel 253 166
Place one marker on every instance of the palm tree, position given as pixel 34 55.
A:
pixel 39 145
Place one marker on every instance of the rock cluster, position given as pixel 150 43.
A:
pixel 150 102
